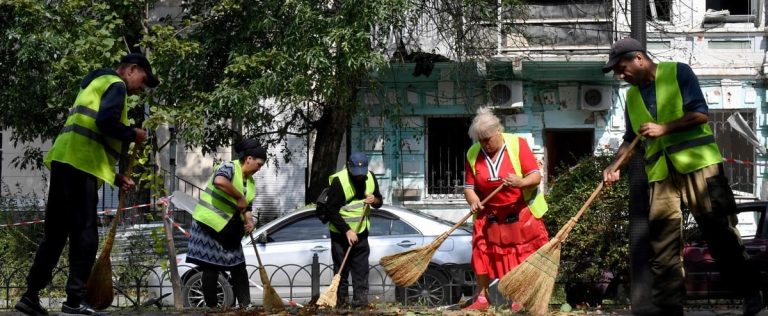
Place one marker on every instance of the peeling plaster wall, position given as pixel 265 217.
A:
pixel 728 57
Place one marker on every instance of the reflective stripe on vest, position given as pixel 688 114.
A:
pixel 352 212
pixel 688 150
pixel 533 196
pixel 80 142
pixel 216 207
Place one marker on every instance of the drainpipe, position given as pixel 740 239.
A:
pixel 639 243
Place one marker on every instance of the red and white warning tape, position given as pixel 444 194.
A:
pixel 160 201
pixel 744 162
pixel 36 221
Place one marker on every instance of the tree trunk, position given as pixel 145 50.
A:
pixel 330 133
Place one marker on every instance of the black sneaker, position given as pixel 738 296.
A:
pixel 82 309
pixel 753 304
pixel 30 307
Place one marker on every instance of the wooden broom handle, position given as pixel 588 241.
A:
pixel 253 242
pixel 602 183
pixel 120 203
pixel 359 225
pixel 466 217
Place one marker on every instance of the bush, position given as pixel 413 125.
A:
pixel 597 249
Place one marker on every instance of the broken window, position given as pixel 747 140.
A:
pixel 740 153
pixel 659 10
pixel 731 11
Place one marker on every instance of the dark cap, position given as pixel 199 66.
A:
pixel 619 49
pixel 358 164
pixel 141 61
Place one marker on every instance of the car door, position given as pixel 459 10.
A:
pixel 388 235
pixel 702 276
pixel 287 252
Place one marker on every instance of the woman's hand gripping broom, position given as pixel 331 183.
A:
pixel 531 283
pixel 406 267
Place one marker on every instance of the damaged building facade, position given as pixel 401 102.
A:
pixel 545 82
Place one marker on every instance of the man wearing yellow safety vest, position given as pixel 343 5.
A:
pixel 351 189
pixel 94 137
pixel 666 106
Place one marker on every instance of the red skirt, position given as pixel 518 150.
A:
pixel 498 247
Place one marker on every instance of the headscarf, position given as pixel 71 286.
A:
pixel 251 147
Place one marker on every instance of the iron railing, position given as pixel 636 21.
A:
pixel 441 287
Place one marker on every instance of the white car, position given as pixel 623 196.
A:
pixel 288 245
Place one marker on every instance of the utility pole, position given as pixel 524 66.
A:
pixel 641 276
pixel 638 17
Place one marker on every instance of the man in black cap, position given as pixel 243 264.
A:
pixel 351 189
pixel 95 136
pixel 666 106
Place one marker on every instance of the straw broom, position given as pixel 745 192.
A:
pixel 531 283
pixel 98 289
pixel 272 301
pixel 406 267
pixel 328 298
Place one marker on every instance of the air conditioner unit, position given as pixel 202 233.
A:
pixel 596 98
pixel 505 94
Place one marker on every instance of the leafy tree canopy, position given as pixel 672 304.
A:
pixel 229 69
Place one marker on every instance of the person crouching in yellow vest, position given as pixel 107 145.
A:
pixel 350 189
pixel 93 139
pixel 222 218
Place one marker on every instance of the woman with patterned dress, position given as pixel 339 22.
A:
pixel 507 228
pixel 222 218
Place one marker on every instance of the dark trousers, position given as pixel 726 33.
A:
pixel 69 214
pixel 229 237
pixel 239 281
pixel 710 199
pixel 357 264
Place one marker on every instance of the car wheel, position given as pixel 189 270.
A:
pixel 192 292
pixel 430 290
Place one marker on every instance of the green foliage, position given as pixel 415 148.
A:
pixel 600 240
pixel 18 244
pixel 46 48
pixel 266 70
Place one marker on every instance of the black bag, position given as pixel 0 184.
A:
pixel 321 205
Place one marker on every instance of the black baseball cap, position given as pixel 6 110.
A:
pixel 619 49
pixel 141 61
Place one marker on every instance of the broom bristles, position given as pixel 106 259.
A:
pixel 532 282
pixel 272 301
pixel 328 298
pixel 99 293
pixel 406 267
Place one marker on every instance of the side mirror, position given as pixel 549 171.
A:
pixel 262 239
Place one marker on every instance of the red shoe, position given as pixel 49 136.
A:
pixel 480 304
pixel 515 307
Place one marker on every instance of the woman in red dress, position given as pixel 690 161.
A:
pixel 505 230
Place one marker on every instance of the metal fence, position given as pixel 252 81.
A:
pixel 148 286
